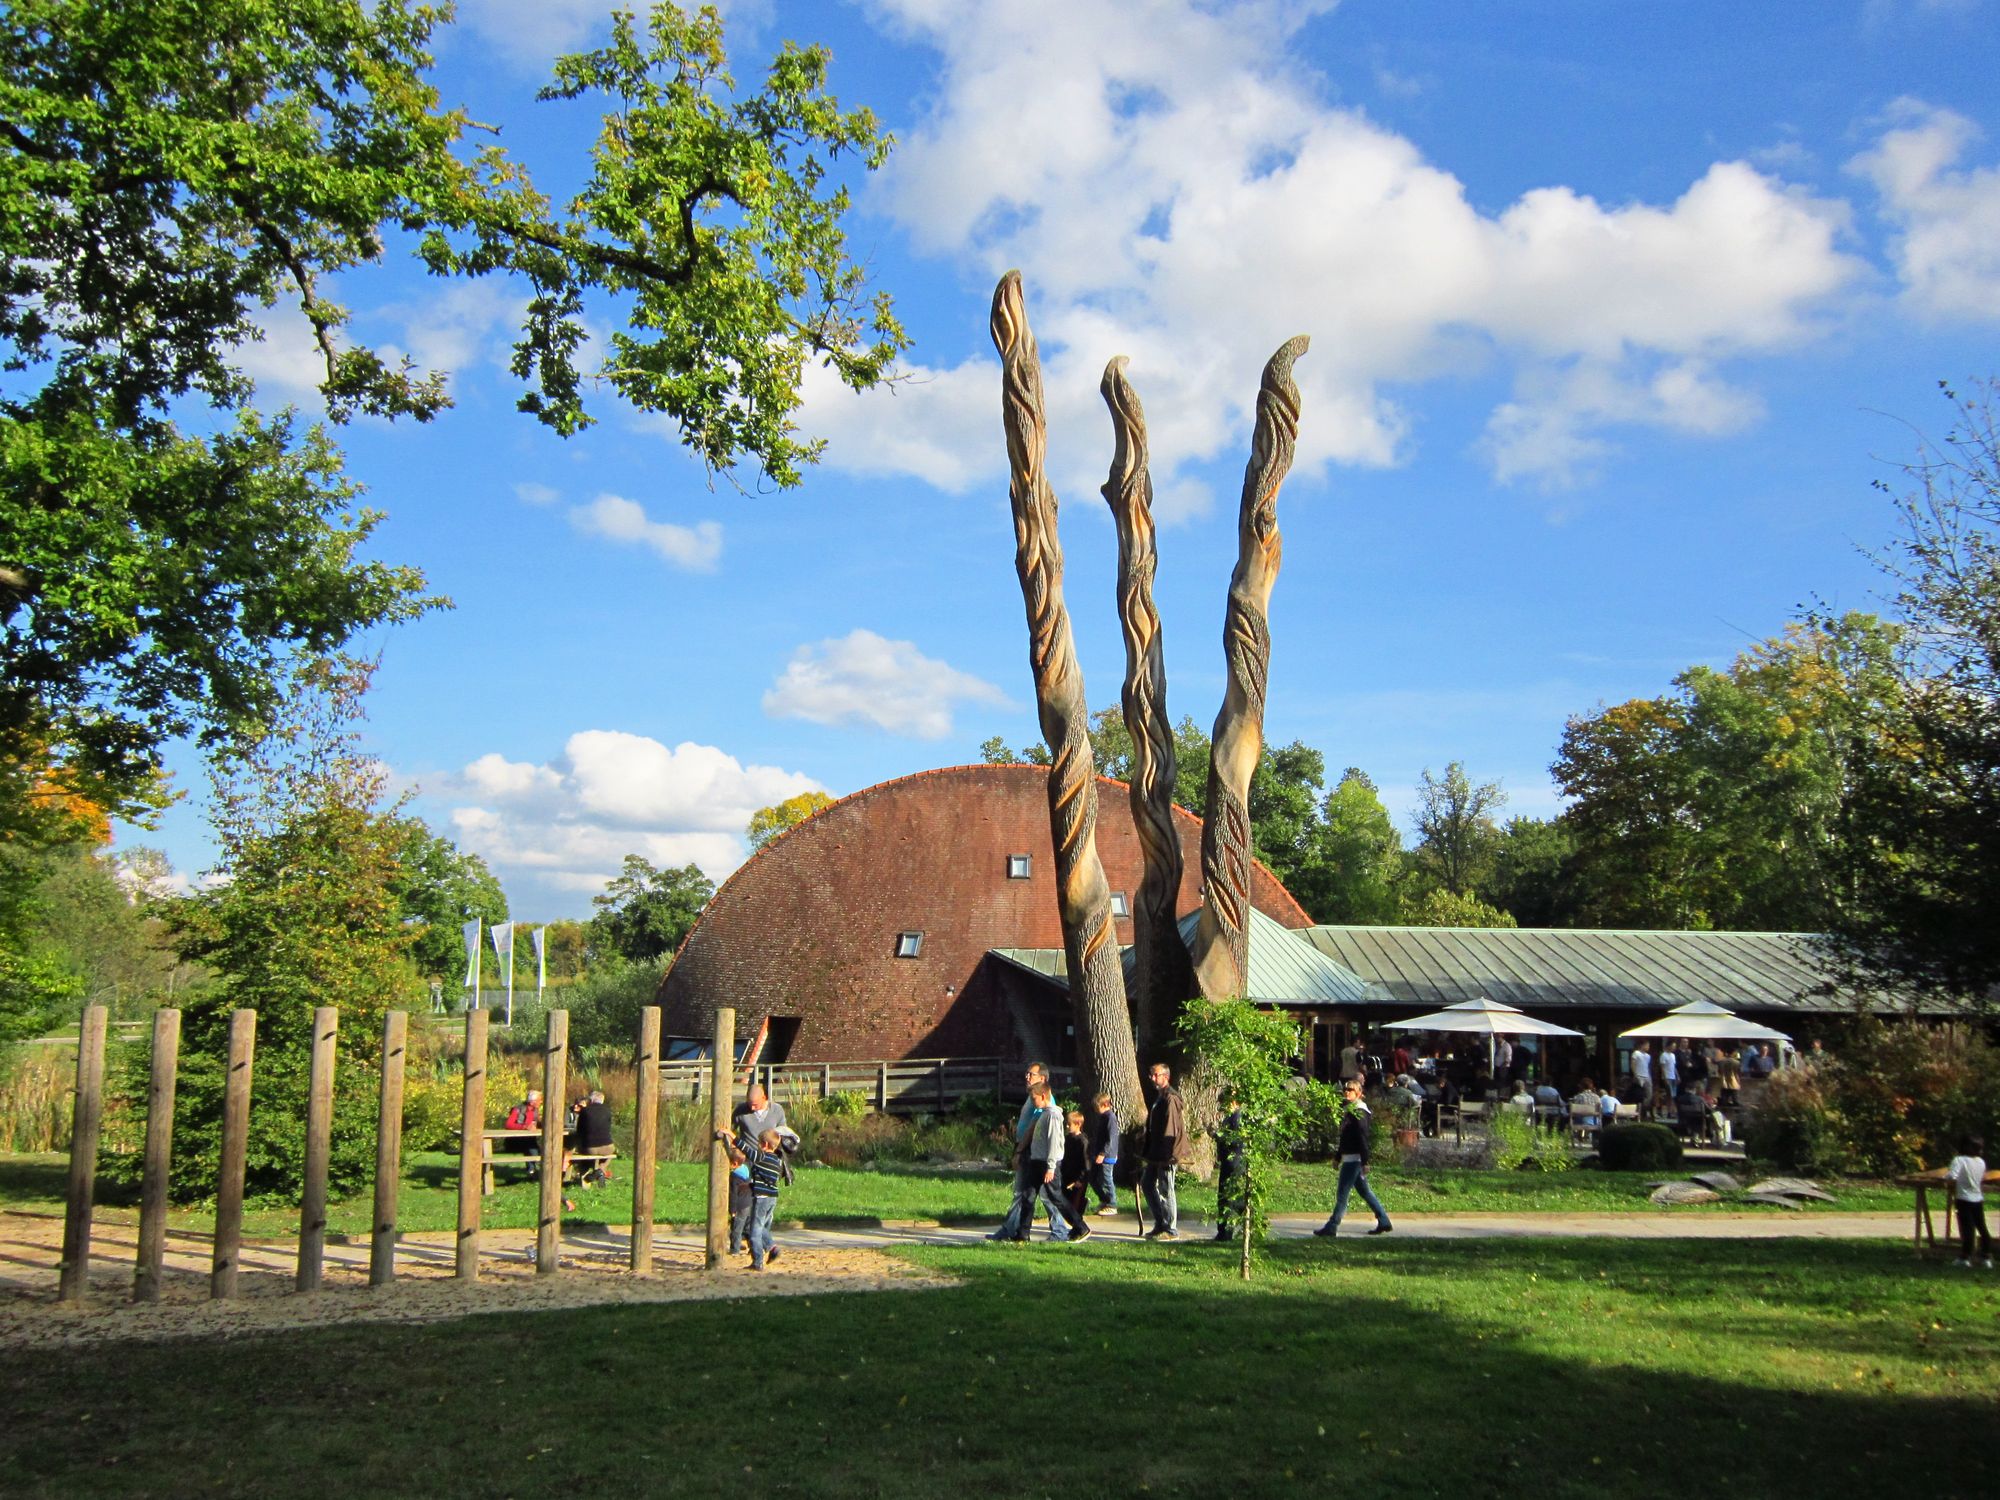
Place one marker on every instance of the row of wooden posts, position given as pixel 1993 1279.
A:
pixel 89 1117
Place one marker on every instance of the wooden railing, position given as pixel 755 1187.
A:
pixel 909 1085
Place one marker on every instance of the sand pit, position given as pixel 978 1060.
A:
pixel 593 1274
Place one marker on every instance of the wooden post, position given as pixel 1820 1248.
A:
pixel 471 1143
pixel 388 1149
pixel 720 1094
pixel 319 1145
pixel 940 1085
pixel 645 1140
pixel 826 1080
pixel 235 1151
pixel 555 1079
pixel 86 1117
pixel 159 1156
pixel 882 1087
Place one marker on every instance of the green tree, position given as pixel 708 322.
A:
pixel 1249 1053
pixel 439 888
pixel 1728 802
pixel 1356 873
pixel 308 914
pixel 1455 829
pixel 643 913
pixel 995 752
pixel 1921 856
pixel 1443 907
pixel 768 822
pixel 169 171
pixel 1532 878
pixel 565 946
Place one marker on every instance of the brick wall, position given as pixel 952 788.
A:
pixel 808 927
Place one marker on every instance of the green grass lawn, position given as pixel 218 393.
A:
pixel 832 1195
pixel 1466 1369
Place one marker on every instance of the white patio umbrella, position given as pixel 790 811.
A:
pixel 1483 1017
pixel 1702 1020
pixel 1486 1017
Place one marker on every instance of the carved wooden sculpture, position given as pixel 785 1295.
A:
pixel 1222 939
pixel 1090 940
pixel 1161 976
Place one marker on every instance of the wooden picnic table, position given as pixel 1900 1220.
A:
pixel 488 1159
pixel 1922 1233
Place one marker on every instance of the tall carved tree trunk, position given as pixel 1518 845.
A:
pixel 1222 941
pixel 1090 940
pixel 1162 977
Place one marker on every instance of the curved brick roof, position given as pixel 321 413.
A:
pixel 807 928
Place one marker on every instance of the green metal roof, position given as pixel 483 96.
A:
pixel 1541 968
pixel 1284 969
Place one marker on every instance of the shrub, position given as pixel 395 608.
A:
pixel 1519 1143
pixel 37 1090
pixel 845 1104
pixel 1638 1148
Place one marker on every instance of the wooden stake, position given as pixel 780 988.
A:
pixel 86 1117
pixel 159 1156
pixel 319 1145
pixel 388 1149
pixel 555 1078
pixel 645 1140
pixel 471 1143
pixel 721 1093
pixel 235 1151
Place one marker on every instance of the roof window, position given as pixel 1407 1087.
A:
pixel 909 944
pixel 1020 866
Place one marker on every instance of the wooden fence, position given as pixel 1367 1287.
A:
pixel 912 1085
pixel 908 1085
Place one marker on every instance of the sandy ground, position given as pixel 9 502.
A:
pixel 593 1273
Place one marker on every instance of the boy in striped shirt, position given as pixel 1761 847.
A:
pixel 766 1167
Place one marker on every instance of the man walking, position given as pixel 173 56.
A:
pixel 1642 1078
pixel 1021 1212
pixel 1354 1133
pixel 1166 1138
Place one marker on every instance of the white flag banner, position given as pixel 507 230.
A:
pixel 539 937
pixel 503 940
pixel 471 951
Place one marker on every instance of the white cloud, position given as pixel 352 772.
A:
pixel 695 548
pixel 1947 247
pixel 465 324
pixel 287 360
pixel 536 494
pixel 861 678
pixel 1549 432
pixel 1195 217
pixel 571 821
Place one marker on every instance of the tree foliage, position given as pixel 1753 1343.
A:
pixel 1456 833
pixel 1728 803
pixel 169 172
pixel 439 888
pixel 1923 854
pixel 643 913
pixel 768 822
pixel 309 913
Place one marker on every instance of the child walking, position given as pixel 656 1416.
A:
pixel 1075 1172
pixel 1968 1195
pixel 1100 1138
pixel 766 1165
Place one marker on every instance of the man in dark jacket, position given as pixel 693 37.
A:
pixel 1354 1133
pixel 1166 1138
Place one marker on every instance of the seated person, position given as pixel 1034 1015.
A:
pixel 1689 1115
pixel 592 1136
pixel 1586 1106
pixel 1523 1102
pixel 1548 1096
pixel 1719 1128
pixel 1608 1106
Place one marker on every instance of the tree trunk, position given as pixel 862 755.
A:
pixel 1105 1055
pixel 1222 941
pixel 1162 978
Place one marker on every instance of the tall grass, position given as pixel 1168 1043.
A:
pixel 37 1091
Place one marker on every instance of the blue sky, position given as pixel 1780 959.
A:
pixel 1616 311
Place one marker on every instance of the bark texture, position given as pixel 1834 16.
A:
pixel 1105 1054
pixel 1162 977
pixel 1222 940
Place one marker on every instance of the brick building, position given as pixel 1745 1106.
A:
pixel 867 931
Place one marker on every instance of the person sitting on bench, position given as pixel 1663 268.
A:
pixel 593 1133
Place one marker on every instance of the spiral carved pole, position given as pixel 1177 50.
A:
pixel 1161 975
pixel 1090 941
pixel 1222 940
